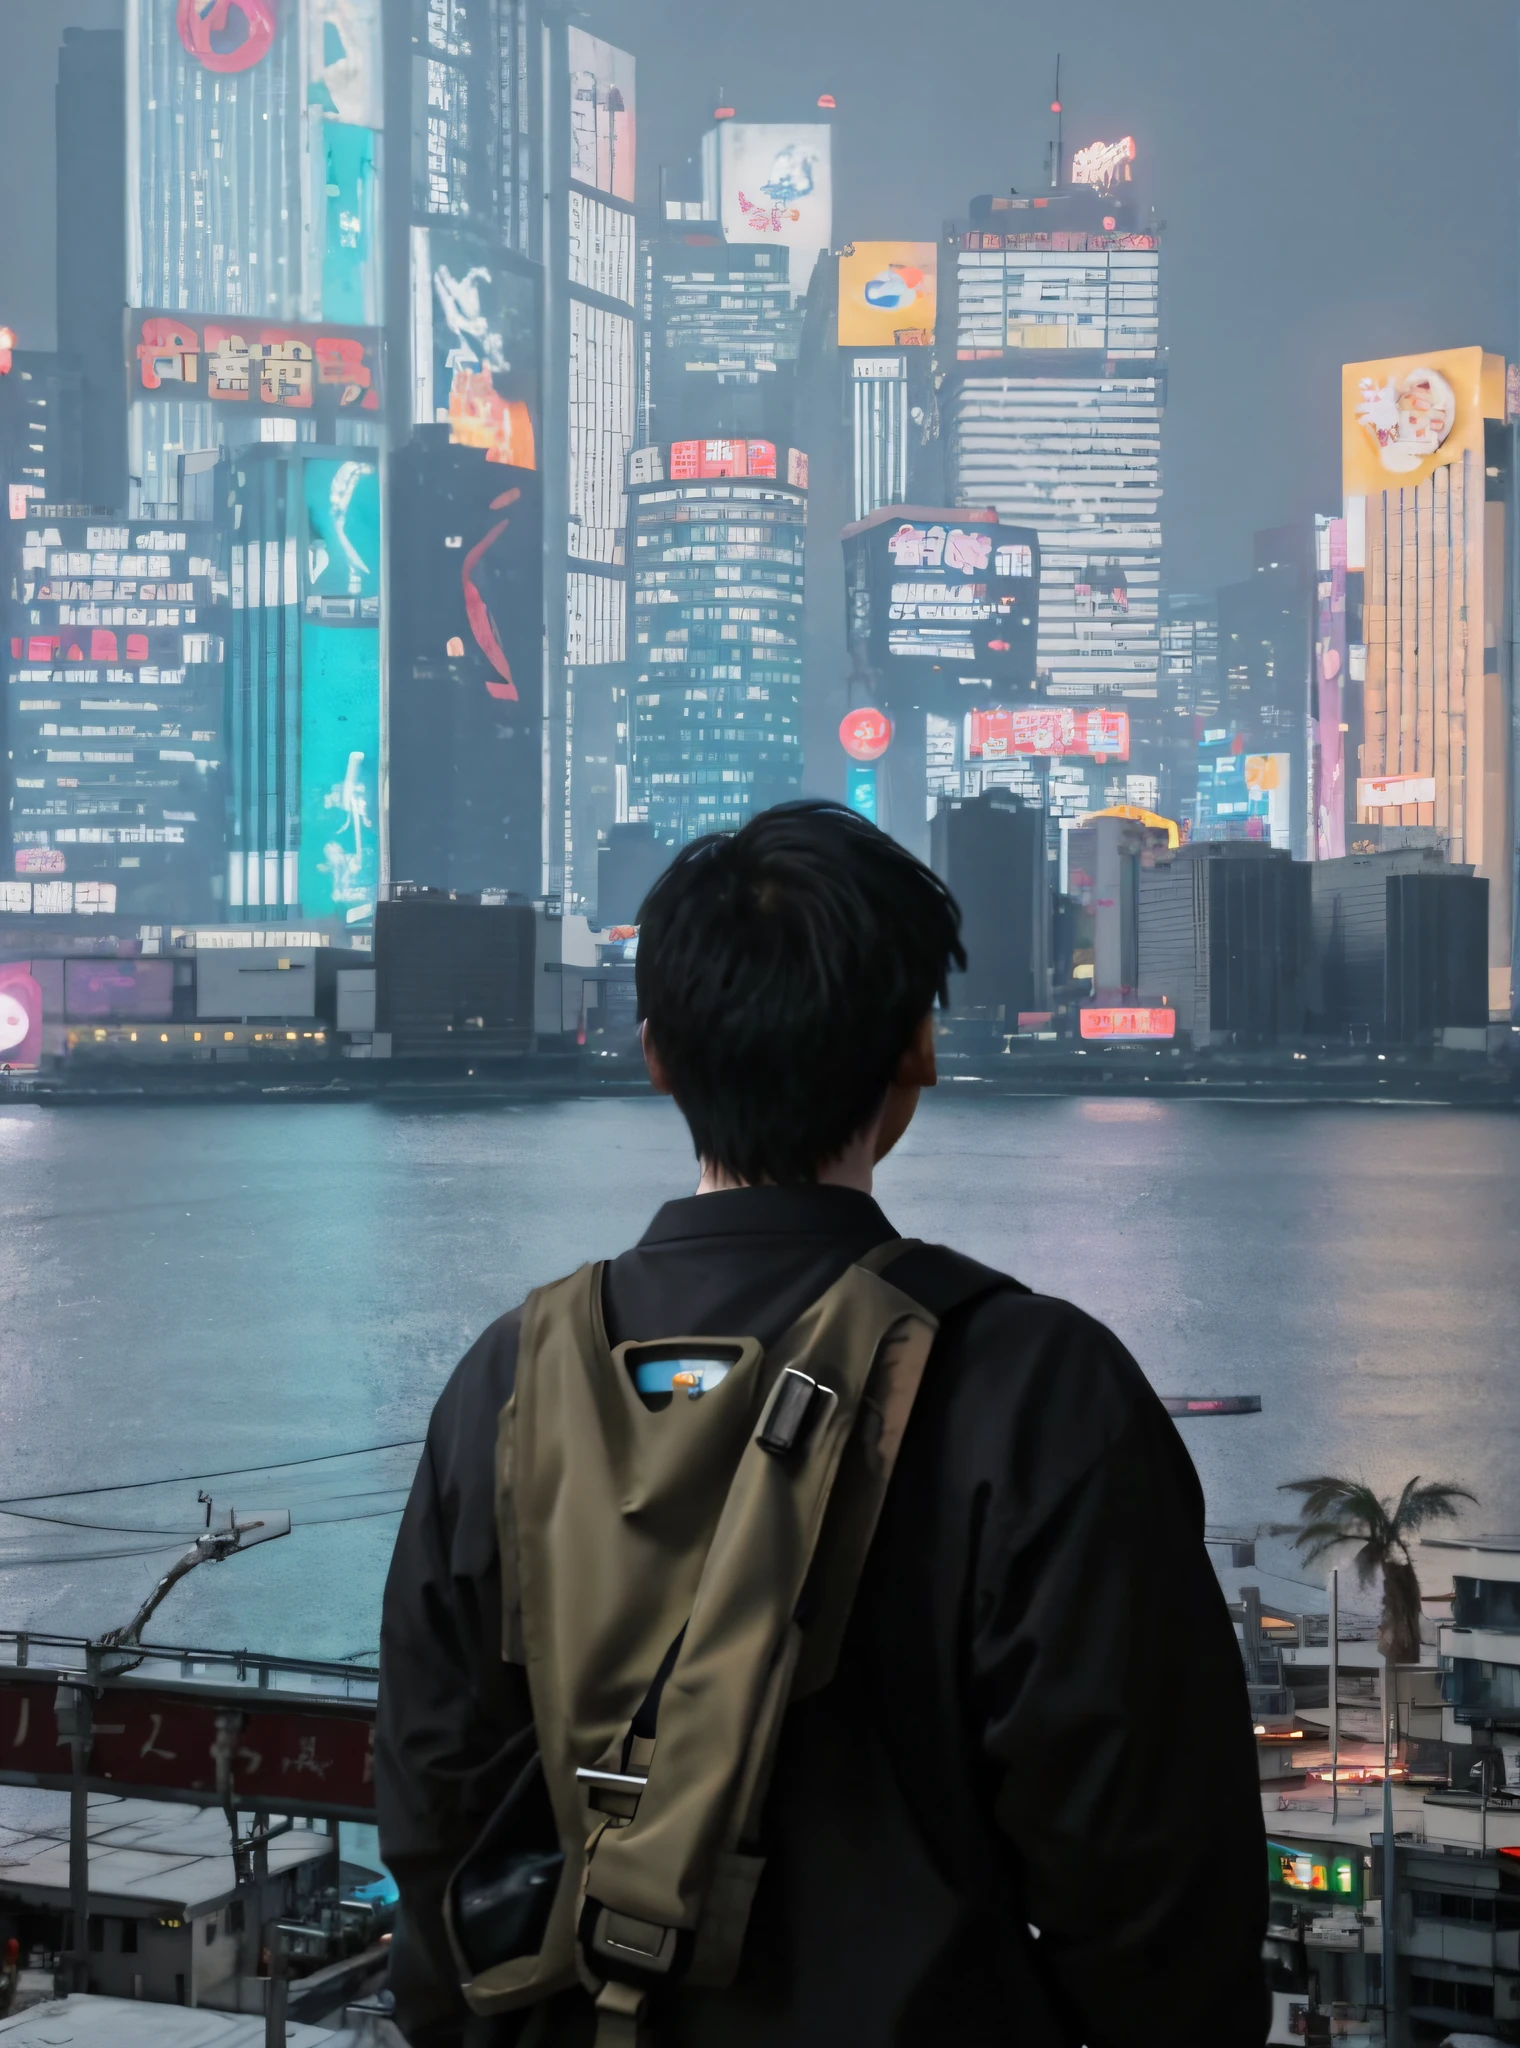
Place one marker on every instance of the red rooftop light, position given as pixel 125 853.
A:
pixel 723 113
pixel 826 99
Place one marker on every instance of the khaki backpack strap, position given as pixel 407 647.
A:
pixel 730 1684
pixel 620 2010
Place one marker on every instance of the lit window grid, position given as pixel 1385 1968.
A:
pixel 213 177
pixel 602 392
pixel 596 620
pixel 1080 460
pixel 601 247
pixel 881 444
pixel 1105 300
pixel 716 713
pixel 107 756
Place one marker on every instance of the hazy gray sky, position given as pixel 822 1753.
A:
pixel 1338 179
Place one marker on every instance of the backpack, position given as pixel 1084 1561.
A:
pixel 682 1527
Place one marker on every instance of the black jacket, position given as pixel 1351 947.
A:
pixel 1039 1721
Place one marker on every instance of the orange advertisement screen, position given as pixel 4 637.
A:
pixel 888 293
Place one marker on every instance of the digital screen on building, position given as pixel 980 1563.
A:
pixel 888 293
pixel 128 991
pixel 603 127
pixel 115 713
pixel 772 182
pixel 1330 1873
pixel 268 369
pixel 1144 1023
pixel 477 365
pixel 342 579
pixel 339 873
pixel 466 670
pixel 947 593
pixel 692 459
pixel 1050 730
pixel 1330 690
pixel 1403 417
pixel 20 1016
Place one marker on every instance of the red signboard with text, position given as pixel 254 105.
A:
pixel 265 366
pixel 1053 730
pixel 1146 1023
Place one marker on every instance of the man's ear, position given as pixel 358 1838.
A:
pixel 657 1074
pixel 917 1068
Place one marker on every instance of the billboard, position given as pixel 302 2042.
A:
pixel 865 734
pixel 343 62
pixel 342 537
pixel 476 366
pixel 692 459
pixel 603 129
pixel 772 182
pixel 1049 730
pixel 887 294
pixel 1269 789
pixel 339 866
pixel 1330 679
pixel 952 594
pixel 126 991
pixel 1388 792
pixel 466 627
pixel 269 368
pixel 1403 417
pixel 1145 1023
pixel 20 1016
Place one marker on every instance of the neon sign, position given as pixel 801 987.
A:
pixel 204 29
pixel 1103 164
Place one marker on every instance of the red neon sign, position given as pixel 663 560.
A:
pixel 1129 1023
pixel 866 734
pixel 204 31
pixel 1053 730
pixel 690 460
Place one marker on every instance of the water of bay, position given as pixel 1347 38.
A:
pixel 191 1288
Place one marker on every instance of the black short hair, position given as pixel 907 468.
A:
pixel 783 971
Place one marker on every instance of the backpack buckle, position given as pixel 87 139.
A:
pixel 613 1792
pixel 796 1407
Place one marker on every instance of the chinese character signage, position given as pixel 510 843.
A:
pixel 1049 730
pixel 1129 1023
pixel 693 459
pixel 266 367
pixel 955 595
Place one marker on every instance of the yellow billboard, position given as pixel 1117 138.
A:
pixel 887 294
pixel 1402 417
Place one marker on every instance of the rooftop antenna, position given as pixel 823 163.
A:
pixel 1055 147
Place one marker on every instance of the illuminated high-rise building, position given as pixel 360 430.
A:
pixel 465 296
pixel 1052 413
pixel 719 531
pixel 590 385
pixel 254 288
pixel 1428 473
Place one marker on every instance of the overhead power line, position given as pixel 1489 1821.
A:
pixel 15 1500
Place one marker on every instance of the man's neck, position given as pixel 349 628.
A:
pixel 852 1169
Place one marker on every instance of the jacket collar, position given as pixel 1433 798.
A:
pixel 807 1211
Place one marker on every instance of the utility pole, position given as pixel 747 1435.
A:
pixel 74 1709
pixel 1335 1697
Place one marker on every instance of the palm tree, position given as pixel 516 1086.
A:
pixel 1337 1511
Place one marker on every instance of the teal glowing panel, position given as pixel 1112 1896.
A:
pixel 340 771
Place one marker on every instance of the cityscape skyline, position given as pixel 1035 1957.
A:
pixel 1288 235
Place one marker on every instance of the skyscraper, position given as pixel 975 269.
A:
pixel 254 282
pixel 1429 490
pixel 1052 413
pixel 465 507
pixel 719 528
pixel 591 390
